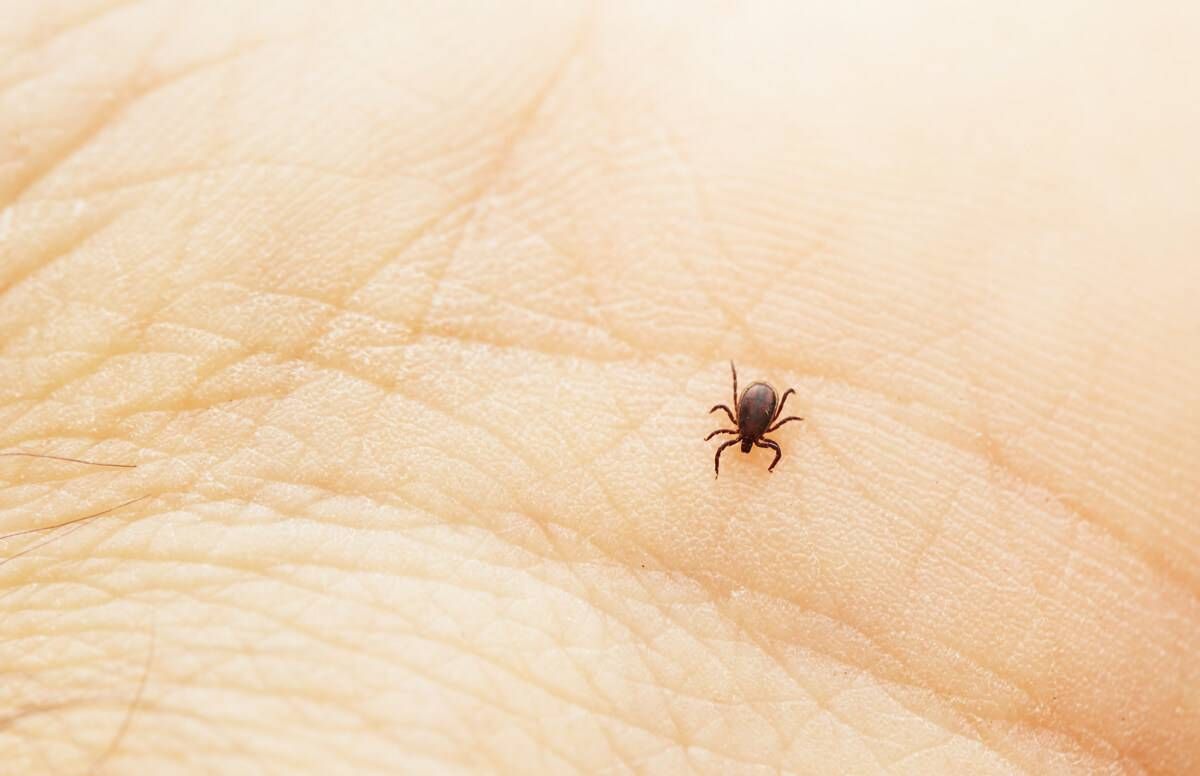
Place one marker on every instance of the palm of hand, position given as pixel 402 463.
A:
pixel 414 358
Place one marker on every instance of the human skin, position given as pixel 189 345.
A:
pixel 410 315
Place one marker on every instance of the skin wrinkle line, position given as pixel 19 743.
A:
pixel 234 168
pixel 418 99
pixel 408 534
pixel 948 417
pixel 535 580
pixel 218 652
pixel 324 307
pixel 857 478
pixel 671 695
pixel 494 171
pixel 438 276
pixel 390 659
pixel 771 651
pixel 188 714
pixel 65 252
pixel 106 112
pixel 913 355
pixel 446 414
pixel 446 333
pixel 957 652
pixel 1136 547
pixel 1075 516
pixel 945 703
pixel 529 679
pixel 629 428
pixel 977 726
pixel 1058 584
pixel 120 105
pixel 33 710
pixel 587 280
pixel 676 147
pixel 749 704
pixel 421 229
pixel 610 735
pixel 71 525
pixel 338 308
pixel 995 461
pixel 77 24
pixel 613 341
pixel 584 323
pixel 666 693
pixel 69 736
pixel 1092 441
pixel 133 706
pixel 246 648
pixel 233 651
pixel 786 672
pixel 35 491
pixel 85 372
pixel 44 356
pixel 628 620
pixel 935 533
pixel 886 681
pixel 598 480
pixel 891 764
pixel 588 335
pixel 1048 418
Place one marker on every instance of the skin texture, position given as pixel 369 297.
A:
pixel 409 317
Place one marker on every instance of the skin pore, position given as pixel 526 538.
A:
pixel 409 317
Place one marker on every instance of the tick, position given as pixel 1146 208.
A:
pixel 757 410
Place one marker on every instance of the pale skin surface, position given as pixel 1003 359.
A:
pixel 410 318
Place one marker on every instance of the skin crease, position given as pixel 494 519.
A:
pixel 409 316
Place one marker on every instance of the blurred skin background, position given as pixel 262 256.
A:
pixel 410 314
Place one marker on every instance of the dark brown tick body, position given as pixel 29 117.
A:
pixel 757 411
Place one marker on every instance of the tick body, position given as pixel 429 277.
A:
pixel 758 411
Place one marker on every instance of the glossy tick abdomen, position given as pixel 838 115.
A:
pixel 755 411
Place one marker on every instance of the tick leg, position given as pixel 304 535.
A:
pixel 779 409
pixel 733 369
pixel 780 423
pixel 721 431
pixel 728 412
pixel 767 443
pixel 717 459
